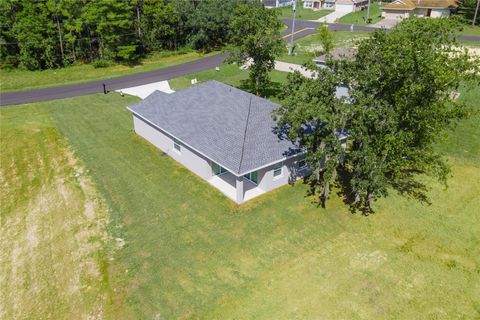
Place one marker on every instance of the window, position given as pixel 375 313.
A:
pixel 302 162
pixel 176 145
pixel 217 169
pixel 277 169
pixel 252 176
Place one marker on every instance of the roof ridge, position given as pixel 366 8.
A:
pixel 245 134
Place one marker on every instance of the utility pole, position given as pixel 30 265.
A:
pixel 59 32
pixel 475 15
pixel 368 12
pixel 293 26
pixel 139 30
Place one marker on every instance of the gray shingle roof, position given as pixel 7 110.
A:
pixel 229 126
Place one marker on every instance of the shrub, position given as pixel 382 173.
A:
pixel 100 63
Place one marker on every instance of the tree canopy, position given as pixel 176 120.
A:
pixel 401 86
pixel 255 40
pixel 50 33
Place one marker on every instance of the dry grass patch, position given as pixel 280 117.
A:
pixel 53 229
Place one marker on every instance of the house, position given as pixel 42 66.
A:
pixel 350 5
pixel 277 3
pixel 338 5
pixel 336 54
pixel 224 135
pixel 400 9
pixel 319 4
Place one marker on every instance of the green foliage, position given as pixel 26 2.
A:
pixel 100 63
pixel 326 38
pixel 158 24
pixel 400 103
pixel 466 11
pixel 50 33
pixel 255 39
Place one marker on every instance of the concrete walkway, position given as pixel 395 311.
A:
pixel 144 91
pixel 291 67
pixel 332 17
pixel 386 23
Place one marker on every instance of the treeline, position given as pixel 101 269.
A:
pixel 42 34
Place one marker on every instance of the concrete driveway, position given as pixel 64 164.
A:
pixel 332 17
pixel 386 23
pixel 145 90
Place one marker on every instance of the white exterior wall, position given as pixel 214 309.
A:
pixel 290 173
pixel 344 7
pixel 395 14
pixel 192 160
pixel 420 12
pixel 201 165
pixel 440 13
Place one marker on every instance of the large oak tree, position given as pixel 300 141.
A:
pixel 402 87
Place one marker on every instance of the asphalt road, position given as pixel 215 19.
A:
pixel 310 27
pixel 79 89
pixel 302 27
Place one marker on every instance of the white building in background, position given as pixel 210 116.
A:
pixel 400 9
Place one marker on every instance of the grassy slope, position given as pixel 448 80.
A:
pixel 15 80
pixel 305 46
pixel 358 18
pixel 302 14
pixel 190 252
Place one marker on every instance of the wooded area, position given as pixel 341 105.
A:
pixel 43 34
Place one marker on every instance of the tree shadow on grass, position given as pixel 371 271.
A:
pixel 272 90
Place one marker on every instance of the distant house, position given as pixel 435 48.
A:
pixel 350 5
pixel 224 135
pixel 319 4
pixel 338 5
pixel 277 3
pixel 340 53
pixel 400 9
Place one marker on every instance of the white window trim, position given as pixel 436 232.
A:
pixel 278 176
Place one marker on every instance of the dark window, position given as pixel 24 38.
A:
pixel 277 169
pixel 176 145
pixel 252 176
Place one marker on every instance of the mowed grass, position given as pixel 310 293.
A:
pixel 15 80
pixel 302 13
pixel 232 75
pixel 306 47
pixel 469 30
pixel 358 18
pixel 191 253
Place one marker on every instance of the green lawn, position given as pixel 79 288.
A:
pixel 191 253
pixel 14 80
pixel 233 76
pixel 302 13
pixel 358 18
pixel 305 47
pixel 469 30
